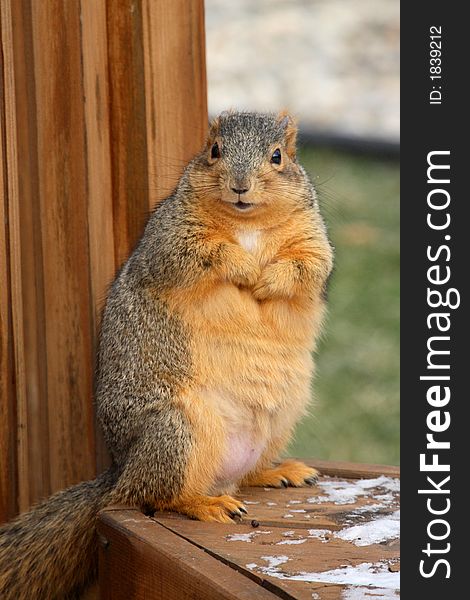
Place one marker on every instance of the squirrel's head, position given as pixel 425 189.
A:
pixel 249 163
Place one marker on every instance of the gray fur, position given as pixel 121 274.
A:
pixel 58 532
pixel 246 138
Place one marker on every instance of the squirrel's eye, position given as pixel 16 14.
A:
pixel 276 157
pixel 215 152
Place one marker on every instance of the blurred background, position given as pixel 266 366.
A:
pixel 335 65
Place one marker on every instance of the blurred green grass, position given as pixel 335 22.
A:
pixel 355 413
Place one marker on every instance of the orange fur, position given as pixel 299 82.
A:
pixel 288 473
pixel 251 312
pixel 222 509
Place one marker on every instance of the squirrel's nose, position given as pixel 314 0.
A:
pixel 240 191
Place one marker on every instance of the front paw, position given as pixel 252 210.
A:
pixel 246 273
pixel 274 282
pixel 263 290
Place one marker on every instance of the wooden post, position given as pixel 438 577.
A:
pixel 102 104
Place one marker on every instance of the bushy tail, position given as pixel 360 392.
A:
pixel 50 553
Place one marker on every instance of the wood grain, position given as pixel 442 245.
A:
pixel 128 125
pixel 48 247
pixel 312 556
pixel 99 176
pixel 141 559
pixel 8 483
pixel 62 198
pixel 19 404
pixel 336 468
pixel 308 543
pixel 174 59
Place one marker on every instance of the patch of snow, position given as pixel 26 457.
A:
pixel 319 534
pixel 367 508
pixel 274 561
pixel 364 574
pixel 393 485
pixel 346 492
pixel 244 537
pixel 240 537
pixel 385 498
pixel 301 541
pixel 360 592
pixel 373 532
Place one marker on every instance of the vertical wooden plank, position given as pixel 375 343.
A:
pixel 12 187
pixel 8 479
pixel 128 126
pixel 8 473
pixel 98 157
pixel 98 152
pixel 33 430
pixel 175 84
pixel 64 231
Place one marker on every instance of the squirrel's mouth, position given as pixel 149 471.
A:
pixel 242 205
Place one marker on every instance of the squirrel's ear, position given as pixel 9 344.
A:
pixel 289 124
pixel 213 131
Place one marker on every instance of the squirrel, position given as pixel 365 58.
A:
pixel 205 354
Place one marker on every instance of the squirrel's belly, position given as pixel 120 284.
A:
pixel 236 346
pixel 254 372
pixel 241 454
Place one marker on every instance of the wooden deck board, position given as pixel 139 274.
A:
pixel 140 558
pixel 294 551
